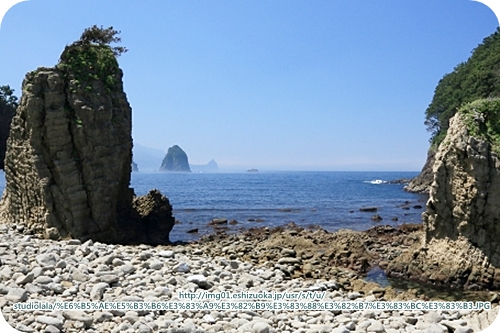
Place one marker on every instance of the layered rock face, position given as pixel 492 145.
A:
pixel 461 245
pixel 176 160
pixel 69 154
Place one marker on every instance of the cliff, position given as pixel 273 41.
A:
pixel 69 153
pixel 176 160
pixel 461 242
pixel 476 78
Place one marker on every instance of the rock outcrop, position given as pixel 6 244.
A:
pixel 135 167
pixel 461 247
pixel 69 154
pixel 176 160
pixel 422 183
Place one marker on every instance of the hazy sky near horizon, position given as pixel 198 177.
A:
pixel 288 85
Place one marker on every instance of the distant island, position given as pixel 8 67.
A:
pixel 211 166
pixel 252 170
pixel 176 160
pixel 135 168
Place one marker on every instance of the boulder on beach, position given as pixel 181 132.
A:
pixel 461 246
pixel 69 153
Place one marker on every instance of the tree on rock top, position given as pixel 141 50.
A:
pixel 176 160
pixel 8 105
pixel 91 58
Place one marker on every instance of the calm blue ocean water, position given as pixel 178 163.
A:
pixel 329 199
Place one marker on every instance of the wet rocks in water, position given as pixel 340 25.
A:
pixel 218 221
pixel 368 209
pixel 376 218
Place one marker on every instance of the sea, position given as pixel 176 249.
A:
pixel 330 200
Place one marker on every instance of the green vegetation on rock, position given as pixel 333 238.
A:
pixel 477 78
pixel 91 58
pixel 175 160
pixel 482 118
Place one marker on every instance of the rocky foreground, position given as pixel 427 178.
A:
pixel 35 269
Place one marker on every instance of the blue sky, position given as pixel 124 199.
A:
pixel 278 85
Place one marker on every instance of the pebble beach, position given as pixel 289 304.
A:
pixel 39 270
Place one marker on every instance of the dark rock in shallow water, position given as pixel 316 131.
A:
pixel 376 218
pixel 218 221
pixel 368 209
pixel 402 181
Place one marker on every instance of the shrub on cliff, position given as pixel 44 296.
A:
pixel 483 121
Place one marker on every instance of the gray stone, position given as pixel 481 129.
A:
pixel 156 264
pixel 199 280
pixel 260 327
pixel 43 279
pixel 47 259
pixel 340 329
pixel 376 327
pixel 182 268
pixel 51 329
pixel 289 261
pixel 48 320
pixel 25 279
pixel 127 268
pixel 17 295
pixel 209 319
pixel 79 276
pixel 79 316
pixel 100 317
pixel 109 278
pixel 98 290
pixel 24 328
pixel 166 254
